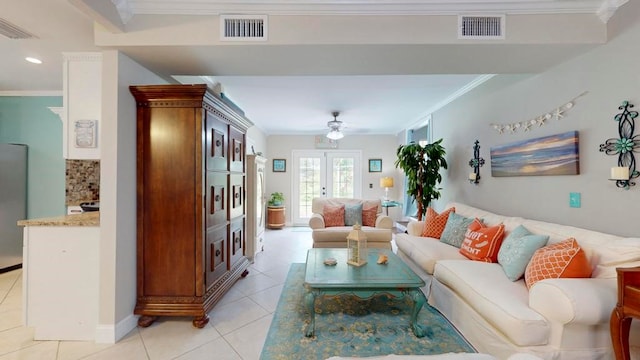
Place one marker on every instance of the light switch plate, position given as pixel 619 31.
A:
pixel 574 200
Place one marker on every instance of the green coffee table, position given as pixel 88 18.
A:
pixel 394 279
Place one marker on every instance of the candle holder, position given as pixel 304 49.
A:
pixel 475 163
pixel 357 246
pixel 624 147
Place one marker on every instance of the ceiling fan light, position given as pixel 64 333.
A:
pixel 335 135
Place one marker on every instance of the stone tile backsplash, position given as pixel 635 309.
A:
pixel 82 181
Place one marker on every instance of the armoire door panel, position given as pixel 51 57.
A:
pixel 237 152
pixel 216 255
pixel 217 142
pixel 237 239
pixel 216 199
pixel 236 203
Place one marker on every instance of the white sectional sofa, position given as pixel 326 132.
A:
pixel 378 236
pixel 555 319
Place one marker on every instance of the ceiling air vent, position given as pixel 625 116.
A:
pixel 13 31
pixel 243 27
pixel 481 27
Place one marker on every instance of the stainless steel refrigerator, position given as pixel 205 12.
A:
pixel 13 203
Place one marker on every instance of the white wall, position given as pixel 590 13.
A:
pixel 610 75
pixel 257 139
pixel 372 147
pixel 118 195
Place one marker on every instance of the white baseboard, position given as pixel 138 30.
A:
pixel 110 334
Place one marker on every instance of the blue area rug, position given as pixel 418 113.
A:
pixel 346 326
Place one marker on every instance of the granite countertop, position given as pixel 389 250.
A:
pixel 84 219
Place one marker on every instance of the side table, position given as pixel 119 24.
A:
pixel 386 204
pixel 275 217
pixel 628 307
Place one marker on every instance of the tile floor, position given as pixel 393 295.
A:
pixel 237 329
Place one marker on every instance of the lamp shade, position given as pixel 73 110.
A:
pixel 335 134
pixel 386 182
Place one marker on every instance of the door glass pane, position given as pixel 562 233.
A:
pixel 343 173
pixel 309 184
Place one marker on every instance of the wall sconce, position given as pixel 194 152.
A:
pixel 475 163
pixel 624 147
pixel 386 182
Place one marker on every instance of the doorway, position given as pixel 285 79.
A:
pixel 323 173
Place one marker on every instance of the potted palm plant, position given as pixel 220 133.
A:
pixel 421 166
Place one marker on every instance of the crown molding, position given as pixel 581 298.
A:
pixel 32 93
pixel 362 7
pixel 608 8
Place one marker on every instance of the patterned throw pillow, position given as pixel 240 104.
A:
pixel 333 215
pixel 482 243
pixel 353 214
pixel 565 259
pixel 369 215
pixel 517 249
pixel 453 233
pixel 434 223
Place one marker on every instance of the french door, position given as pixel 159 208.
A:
pixel 326 173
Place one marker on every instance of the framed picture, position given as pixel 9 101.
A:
pixel 375 165
pixel 549 155
pixel 279 165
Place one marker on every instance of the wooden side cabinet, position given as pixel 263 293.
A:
pixel 190 201
pixel 628 307
pixel 275 217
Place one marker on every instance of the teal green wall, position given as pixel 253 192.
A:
pixel 27 120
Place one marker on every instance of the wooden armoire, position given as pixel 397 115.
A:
pixel 190 201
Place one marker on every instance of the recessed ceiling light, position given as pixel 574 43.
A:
pixel 33 60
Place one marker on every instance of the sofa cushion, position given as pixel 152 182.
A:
pixel 453 233
pixel 620 253
pixel 426 251
pixel 369 215
pixel 503 303
pixel 434 223
pixel 517 249
pixel 318 203
pixel 482 243
pixel 561 260
pixel 336 236
pixel 353 214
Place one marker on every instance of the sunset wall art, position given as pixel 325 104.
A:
pixel 548 155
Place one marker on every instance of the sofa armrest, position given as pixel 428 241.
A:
pixel 586 301
pixel 316 221
pixel 415 227
pixel 384 221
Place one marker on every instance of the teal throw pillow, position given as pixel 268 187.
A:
pixel 517 249
pixel 454 230
pixel 353 214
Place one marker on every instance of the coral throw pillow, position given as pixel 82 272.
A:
pixel 565 259
pixel 369 215
pixel 482 243
pixel 333 215
pixel 434 223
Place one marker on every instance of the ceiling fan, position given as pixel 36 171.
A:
pixel 335 127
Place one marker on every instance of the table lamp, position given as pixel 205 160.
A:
pixel 386 182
